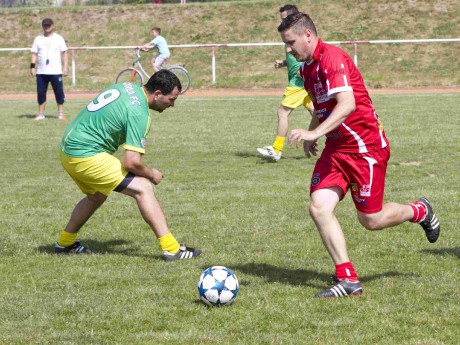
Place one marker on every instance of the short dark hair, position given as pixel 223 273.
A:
pixel 47 22
pixel 290 9
pixel 163 80
pixel 157 29
pixel 298 22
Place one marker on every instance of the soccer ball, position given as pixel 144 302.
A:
pixel 217 286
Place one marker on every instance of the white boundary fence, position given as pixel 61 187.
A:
pixel 214 47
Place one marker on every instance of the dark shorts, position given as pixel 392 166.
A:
pixel 42 87
pixel 126 181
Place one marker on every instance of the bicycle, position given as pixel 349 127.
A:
pixel 136 73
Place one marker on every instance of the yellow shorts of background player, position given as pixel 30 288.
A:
pixel 100 173
pixel 294 97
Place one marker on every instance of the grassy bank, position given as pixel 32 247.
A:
pixel 397 65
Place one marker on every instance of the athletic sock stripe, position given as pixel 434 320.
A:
pixel 415 209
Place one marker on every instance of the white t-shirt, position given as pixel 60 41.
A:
pixel 49 50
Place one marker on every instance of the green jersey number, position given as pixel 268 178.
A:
pixel 103 99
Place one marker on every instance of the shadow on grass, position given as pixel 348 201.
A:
pixel 263 160
pixel 32 116
pixel 106 247
pixel 444 251
pixel 302 277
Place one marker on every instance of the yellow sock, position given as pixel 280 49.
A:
pixel 67 239
pixel 169 243
pixel 278 144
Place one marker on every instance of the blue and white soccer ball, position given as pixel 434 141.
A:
pixel 217 286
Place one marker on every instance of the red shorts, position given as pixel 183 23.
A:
pixel 362 173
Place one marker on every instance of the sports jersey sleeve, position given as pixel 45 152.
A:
pixel 293 68
pixel 62 45
pixel 34 48
pixel 137 128
pixel 337 74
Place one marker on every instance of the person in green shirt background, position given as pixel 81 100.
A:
pixel 293 97
pixel 119 116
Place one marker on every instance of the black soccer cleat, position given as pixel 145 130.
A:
pixel 76 248
pixel 430 223
pixel 183 253
pixel 334 280
pixel 344 288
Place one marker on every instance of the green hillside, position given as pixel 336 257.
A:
pixel 395 65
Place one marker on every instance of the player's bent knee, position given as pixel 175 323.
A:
pixel 369 221
pixel 284 112
pixel 138 187
pixel 97 198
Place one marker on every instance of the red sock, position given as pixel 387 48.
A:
pixel 346 271
pixel 419 211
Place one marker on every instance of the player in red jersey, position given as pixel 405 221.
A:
pixel 356 153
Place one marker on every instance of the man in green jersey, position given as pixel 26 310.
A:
pixel 118 116
pixel 294 96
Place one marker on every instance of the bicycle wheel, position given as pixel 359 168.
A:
pixel 130 75
pixel 183 76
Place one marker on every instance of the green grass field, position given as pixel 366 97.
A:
pixel 244 213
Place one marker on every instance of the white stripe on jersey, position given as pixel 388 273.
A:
pixel 345 80
pixel 382 140
pixel 339 89
pixel 361 145
pixel 384 143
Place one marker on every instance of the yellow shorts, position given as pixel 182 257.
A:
pixel 294 97
pixel 100 173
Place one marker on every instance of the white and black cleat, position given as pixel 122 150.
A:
pixel 344 288
pixel 430 223
pixel 183 253
pixel 269 152
pixel 76 248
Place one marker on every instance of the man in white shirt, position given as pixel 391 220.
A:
pixel 48 52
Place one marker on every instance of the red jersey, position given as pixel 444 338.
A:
pixel 332 71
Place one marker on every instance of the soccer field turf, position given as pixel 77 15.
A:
pixel 244 213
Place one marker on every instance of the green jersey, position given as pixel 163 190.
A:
pixel 119 115
pixel 293 67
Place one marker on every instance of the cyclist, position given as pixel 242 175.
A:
pixel 163 50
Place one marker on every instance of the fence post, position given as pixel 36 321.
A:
pixel 213 65
pixel 74 79
pixel 355 45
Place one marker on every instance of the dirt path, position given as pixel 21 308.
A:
pixel 241 93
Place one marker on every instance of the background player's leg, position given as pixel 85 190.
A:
pixel 276 149
pixel 42 87
pixel 58 88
